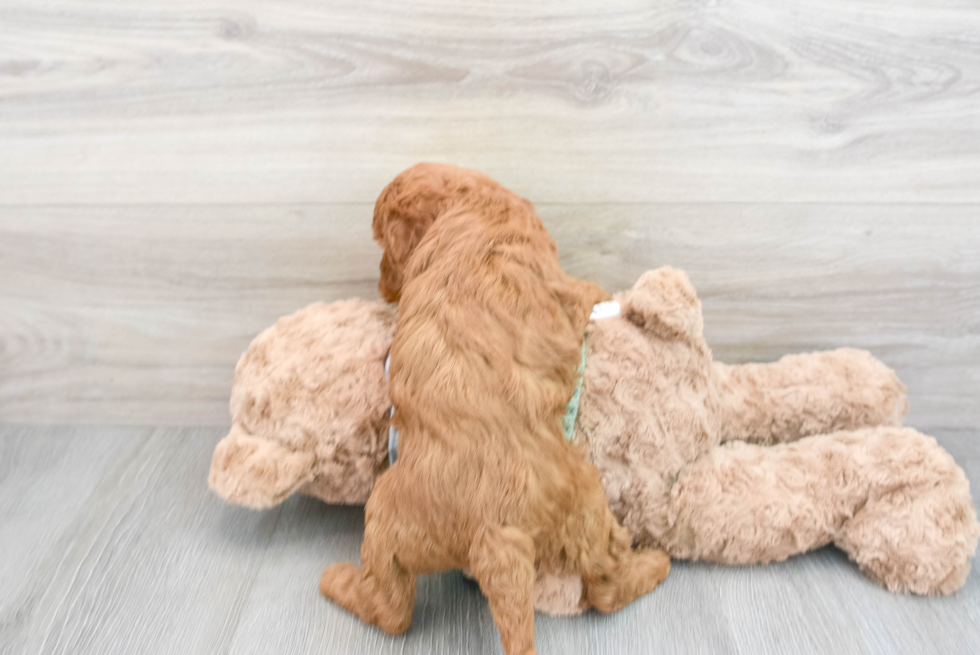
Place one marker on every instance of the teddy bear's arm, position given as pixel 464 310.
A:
pixel 801 395
pixel 257 472
pixel 892 498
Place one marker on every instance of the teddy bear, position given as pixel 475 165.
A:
pixel 733 464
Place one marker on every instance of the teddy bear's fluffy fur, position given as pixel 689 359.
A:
pixel 722 463
pixel 733 464
pixel 304 402
pixel 483 362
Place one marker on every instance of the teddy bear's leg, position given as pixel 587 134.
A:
pixel 891 498
pixel 807 394
pixel 917 537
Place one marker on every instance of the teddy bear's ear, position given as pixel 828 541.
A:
pixel 663 302
pixel 256 472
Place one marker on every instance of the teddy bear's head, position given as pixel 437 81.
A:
pixel 309 408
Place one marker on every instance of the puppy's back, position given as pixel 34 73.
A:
pixel 485 357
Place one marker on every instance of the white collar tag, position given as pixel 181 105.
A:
pixel 606 309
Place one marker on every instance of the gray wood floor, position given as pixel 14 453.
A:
pixel 112 543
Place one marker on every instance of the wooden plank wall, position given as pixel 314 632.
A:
pixel 176 175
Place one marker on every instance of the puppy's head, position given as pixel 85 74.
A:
pixel 409 205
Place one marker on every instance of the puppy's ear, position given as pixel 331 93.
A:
pixel 400 238
pixel 663 302
pixel 402 215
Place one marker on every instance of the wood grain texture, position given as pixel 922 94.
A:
pixel 175 176
pixel 230 101
pixel 138 314
pixel 46 477
pixel 145 564
pixel 112 544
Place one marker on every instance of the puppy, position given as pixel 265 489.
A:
pixel 483 363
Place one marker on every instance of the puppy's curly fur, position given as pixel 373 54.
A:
pixel 483 362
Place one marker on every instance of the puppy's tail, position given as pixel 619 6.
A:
pixel 408 207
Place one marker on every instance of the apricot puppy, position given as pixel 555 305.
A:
pixel 483 363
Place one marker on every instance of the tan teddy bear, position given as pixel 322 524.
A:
pixel 731 464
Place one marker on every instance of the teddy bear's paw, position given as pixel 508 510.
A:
pixel 930 556
pixel 257 472
pixel 918 530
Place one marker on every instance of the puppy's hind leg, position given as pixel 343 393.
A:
pixel 620 575
pixel 382 591
pixel 502 561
